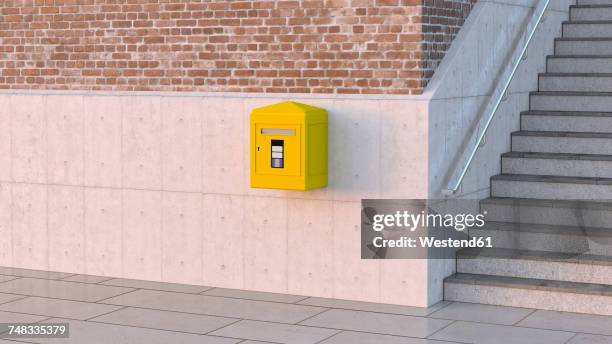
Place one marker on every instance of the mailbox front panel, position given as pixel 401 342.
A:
pixel 277 150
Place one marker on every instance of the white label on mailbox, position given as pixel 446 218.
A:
pixel 277 149
pixel 277 155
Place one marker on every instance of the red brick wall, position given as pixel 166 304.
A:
pixel 277 46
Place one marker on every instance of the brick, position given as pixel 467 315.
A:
pixel 301 46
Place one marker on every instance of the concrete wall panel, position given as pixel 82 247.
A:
pixel 141 143
pixel 310 242
pixel 29 139
pixel 182 237
pixel 6 228
pixel 103 142
pixel 142 249
pixel 66 229
pixel 103 232
pixel 30 234
pixel 182 144
pixel 65 140
pixel 223 240
pixel 5 138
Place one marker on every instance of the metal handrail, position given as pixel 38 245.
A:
pixel 452 189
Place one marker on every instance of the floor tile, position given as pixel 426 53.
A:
pixel 400 325
pixel 219 306
pixel 573 322
pixel 277 333
pixel 498 334
pixel 254 295
pixel 590 339
pixel 86 279
pixel 371 307
pixel 165 320
pixel 96 333
pixel 4 298
pixel 33 273
pixel 8 317
pixel 181 288
pixel 57 308
pixel 370 338
pixel 482 313
pixel 61 289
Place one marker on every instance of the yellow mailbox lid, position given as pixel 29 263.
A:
pixel 289 146
pixel 288 108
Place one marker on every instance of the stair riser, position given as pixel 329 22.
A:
pixel 590 30
pixel 557 167
pixel 571 103
pixel 552 191
pixel 575 84
pixel 538 269
pixel 545 215
pixel 576 145
pixel 597 13
pixel 579 65
pixel 566 123
pixel 583 48
pixel 547 242
pixel 528 298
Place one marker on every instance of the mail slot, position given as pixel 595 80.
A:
pixel 289 147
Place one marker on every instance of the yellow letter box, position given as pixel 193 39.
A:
pixel 289 147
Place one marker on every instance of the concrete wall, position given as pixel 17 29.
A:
pixel 461 89
pixel 156 187
pixel 460 94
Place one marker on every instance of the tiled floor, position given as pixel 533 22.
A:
pixel 106 310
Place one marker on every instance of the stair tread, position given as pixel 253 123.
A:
pixel 566 113
pixel 557 156
pixel 565 56
pixel 582 21
pixel 571 93
pixel 583 39
pixel 562 134
pixel 546 229
pixel 558 257
pixel 552 179
pixel 571 75
pixel 572 204
pixel 530 283
pixel 590 6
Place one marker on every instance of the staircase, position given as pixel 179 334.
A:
pixel 550 211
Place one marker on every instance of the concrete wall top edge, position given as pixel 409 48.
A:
pixel 237 95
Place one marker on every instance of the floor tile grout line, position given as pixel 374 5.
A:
pixel 571 338
pixel 159 329
pixel 148 289
pixel 18 299
pixel 10 280
pixel 103 314
pixel 226 325
pixel 439 309
pixel 257 300
pixel 328 337
pixel 429 336
pixel 302 300
pixel 525 317
pixel 312 316
pixel 108 298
